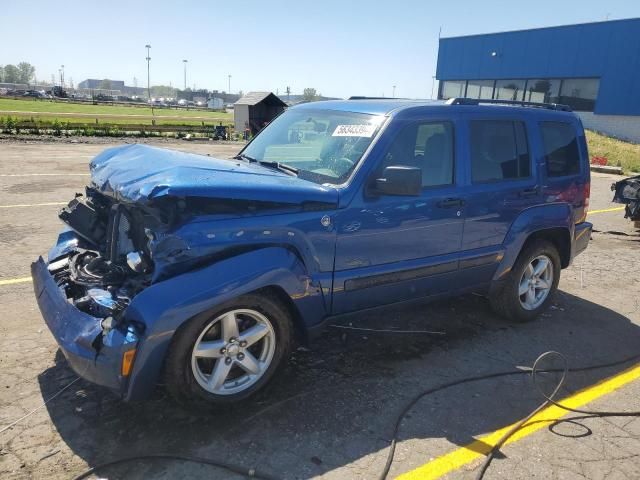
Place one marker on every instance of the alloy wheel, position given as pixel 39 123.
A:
pixel 536 282
pixel 233 351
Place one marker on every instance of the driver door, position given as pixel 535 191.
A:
pixel 393 248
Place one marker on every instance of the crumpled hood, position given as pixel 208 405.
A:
pixel 139 173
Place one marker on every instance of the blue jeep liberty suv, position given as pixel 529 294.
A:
pixel 200 273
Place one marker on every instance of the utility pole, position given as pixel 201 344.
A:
pixel 148 47
pixel 185 73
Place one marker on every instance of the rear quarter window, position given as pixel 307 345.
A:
pixel 561 152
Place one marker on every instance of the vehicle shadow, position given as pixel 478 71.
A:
pixel 336 404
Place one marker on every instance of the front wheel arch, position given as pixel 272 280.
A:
pixel 176 369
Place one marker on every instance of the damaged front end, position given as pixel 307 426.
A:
pixel 99 264
pixel 109 263
pixel 627 192
pixel 120 279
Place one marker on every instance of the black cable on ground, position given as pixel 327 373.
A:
pixel 549 400
pixel 524 371
pixel 240 470
pixel 387 331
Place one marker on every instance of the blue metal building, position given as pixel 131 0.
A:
pixel 593 67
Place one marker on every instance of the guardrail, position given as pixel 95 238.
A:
pixel 80 101
pixel 106 129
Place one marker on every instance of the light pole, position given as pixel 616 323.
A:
pixel 185 73
pixel 229 91
pixel 148 47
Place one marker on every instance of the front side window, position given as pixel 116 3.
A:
pixel 427 146
pixel 560 149
pixel 498 151
pixel 323 145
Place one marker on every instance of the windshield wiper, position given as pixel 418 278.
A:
pixel 244 156
pixel 280 166
pixel 277 165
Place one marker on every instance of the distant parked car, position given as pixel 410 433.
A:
pixel 32 93
pixel 59 92
pixel 202 273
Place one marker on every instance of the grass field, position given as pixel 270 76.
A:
pixel 618 153
pixel 48 110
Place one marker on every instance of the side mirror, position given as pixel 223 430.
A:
pixel 399 180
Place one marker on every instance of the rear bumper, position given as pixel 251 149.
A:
pixel 581 237
pixel 94 356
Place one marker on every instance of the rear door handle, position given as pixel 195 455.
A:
pixel 529 192
pixel 451 203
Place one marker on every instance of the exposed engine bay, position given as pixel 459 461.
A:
pixel 112 263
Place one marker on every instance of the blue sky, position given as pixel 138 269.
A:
pixel 341 48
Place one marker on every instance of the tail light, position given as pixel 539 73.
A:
pixel 586 194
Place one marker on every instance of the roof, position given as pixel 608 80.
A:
pixel 395 106
pixel 369 106
pixel 253 98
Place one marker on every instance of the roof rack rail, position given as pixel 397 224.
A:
pixel 361 97
pixel 475 101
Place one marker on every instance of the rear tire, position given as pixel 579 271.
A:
pixel 226 355
pixel 528 288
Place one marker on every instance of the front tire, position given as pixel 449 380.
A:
pixel 529 286
pixel 227 354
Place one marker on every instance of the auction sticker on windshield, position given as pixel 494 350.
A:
pixel 365 130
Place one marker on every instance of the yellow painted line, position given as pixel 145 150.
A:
pixel 34 205
pixel 13 281
pixel 452 461
pixel 612 209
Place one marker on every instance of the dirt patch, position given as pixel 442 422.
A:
pixel 39 186
pixel 11 234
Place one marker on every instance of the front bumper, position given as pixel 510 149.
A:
pixel 92 354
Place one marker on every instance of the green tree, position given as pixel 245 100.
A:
pixel 310 95
pixel 11 74
pixel 26 72
pixel 1 73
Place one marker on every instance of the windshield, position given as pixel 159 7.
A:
pixel 323 145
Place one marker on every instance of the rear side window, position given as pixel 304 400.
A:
pixel 499 151
pixel 560 149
